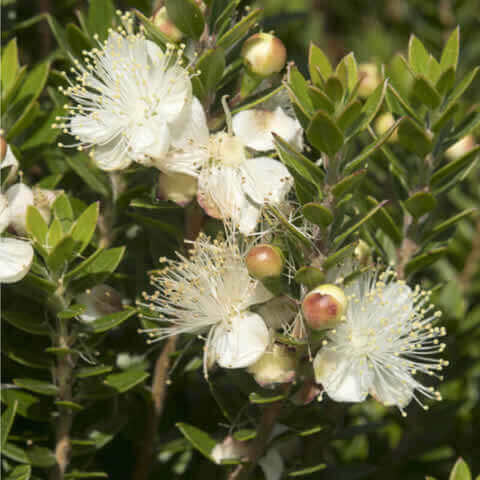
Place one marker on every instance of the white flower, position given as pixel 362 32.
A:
pixel 19 197
pixel 9 161
pixel 210 293
pixel 229 449
pixel 16 256
pixel 255 128
pixel 128 96
pixel 387 337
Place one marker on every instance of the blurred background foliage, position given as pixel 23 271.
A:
pixel 364 441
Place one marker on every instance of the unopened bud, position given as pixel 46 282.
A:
pixel 166 26
pixel 101 300
pixel 264 54
pixel 177 187
pixel 264 261
pixel 324 306
pixel 370 79
pixel 229 449
pixel 383 123
pixel 43 200
pixel 276 365
pixel 362 252
pixel 19 197
pixel 462 147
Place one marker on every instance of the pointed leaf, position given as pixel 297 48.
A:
pixel 424 260
pixel 100 17
pixel 417 55
pixel 454 167
pixel 35 325
pixel 211 65
pixel 309 276
pixel 82 230
pixel 36 386
pixel 451 51
pixel 198 438
pixel 187 16
pixel 126 380
pixel 460 471
pixel 20 472
pixel 324 134
pixel 108 322
pixel 317 214
pixel 241 28
pixel 414 138
pixel 334 88
pixel 318 65
pixel 7 422
pixel 420 203
pixel 425 92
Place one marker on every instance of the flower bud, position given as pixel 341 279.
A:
pixel 177 187
pixel 362 252
pixel 370 76
pixel 264 54
pixel 462 147
pixel 264 261
pixel 324 306
pixel 229 449
pixel 383 123
pixel 166 26
pixel 101 300
pixel 276 365
pixel 19 197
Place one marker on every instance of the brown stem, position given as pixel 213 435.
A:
pixel 267 422
pixel 63 376
pixel 472 261
pixel 404 253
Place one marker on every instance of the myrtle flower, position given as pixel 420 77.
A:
pixel 16 256
pixel 130 99
pixel 209 293
pixel 387 336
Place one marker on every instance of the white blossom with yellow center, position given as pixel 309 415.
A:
pixel 210 293
pixel 130 100
pixel 387 336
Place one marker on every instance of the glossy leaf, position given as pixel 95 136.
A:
pixel 108 322
pixel 424 260
pixel 417 55
pixel 187 16
pixel 126 380
pixel 460 471
pixel 20 472
pixel 100 17
pixel 454 167
pixel 36 386
pixel 33 324
pixel 84 227
pixel 451 51
pixel 239 30
pixel 198 438
pixel 317 214
pixel 211 65
pixel 424 91
pixel 318 65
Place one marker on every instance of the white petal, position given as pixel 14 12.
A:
pixel 16 257
pixel 255 127
pixel 345 379
pixel 391 390
pixel 247 217
pixel 272 465
pixel 4 213
pixel 242 342
pixel 10 161
pixel 110 157
pixel 278 312
pixel 177 187
pixel 149 141
pixel 19 197
pixel 266 180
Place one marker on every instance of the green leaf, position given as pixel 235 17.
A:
pixel 241 28
pixel 324 134
pixel 417 55
pixel 372 106
pixel 211 65
pixel 71 312
pixel 339 255
pixel 318 65
pixel 296 161
pixel 82 230
pixel 454 167
pixel 86 372
pixel 405 108
pixel 425 92
pixel 317 214
pixel 320 100
pixel 36 386
pixel 334 88
pixel 63 211
pixel 10 65
pixel 309 276
pixel 77 40
pixel 153 32
pixel 460 88
pixel 369 150
pixel 420 203
pixel 308 471
pixel 451 51
pixel 347 72
pixel 424 260
pixel 93 177
pixel 20 472
pixel 28 405
pixel 101 14
pixel 108 322
pixel 460 471
pixel 446 81
pixel 7 421
pixel 77 474
pixel 198 438
pixel 61 255
pixel 33 324
pixel 385 222
pixel 187 16
pixel 54 235
pixel 350 113
pixel 441 227
pixel 36 225
pixel 414 138
pixel 339 239
pixel 255 397
pixel 15 453
pixel 299 87
pixel 126 380
pixel 348 183
pixel 290 228
pixel 69 405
